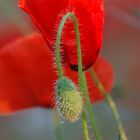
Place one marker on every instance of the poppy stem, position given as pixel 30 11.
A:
pixel 57 126
pixel 111 103
pixel 85 125
pixel 82 79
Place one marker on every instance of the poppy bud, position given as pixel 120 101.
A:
pixel 68 99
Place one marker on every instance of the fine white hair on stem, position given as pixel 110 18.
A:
pixel 71 43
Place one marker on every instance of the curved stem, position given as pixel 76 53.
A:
pixel 111 104
pixel 82 80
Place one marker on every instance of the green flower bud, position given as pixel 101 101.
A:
pixel 68 99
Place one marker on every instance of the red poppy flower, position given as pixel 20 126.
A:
pixel 27 75
pixel 47 14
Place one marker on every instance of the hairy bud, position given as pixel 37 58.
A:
pixel 68 99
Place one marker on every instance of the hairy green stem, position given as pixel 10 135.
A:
pixel 111 103
pixel 57 126
pixel 82 80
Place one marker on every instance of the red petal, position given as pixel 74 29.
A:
pixel 47 14
pixel 26 77
pixel 90 17
pixel 43 13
